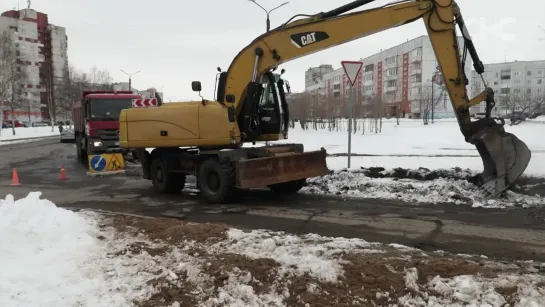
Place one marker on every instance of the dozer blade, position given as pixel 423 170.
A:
pixel 504 156
pixel 281 167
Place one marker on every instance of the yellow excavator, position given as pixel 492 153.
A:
pixel 208 138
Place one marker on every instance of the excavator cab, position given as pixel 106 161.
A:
pixel 265 115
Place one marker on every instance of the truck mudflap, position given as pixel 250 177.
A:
pixel 281 166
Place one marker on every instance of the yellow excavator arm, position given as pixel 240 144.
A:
pixel 251 104
pixel 505 157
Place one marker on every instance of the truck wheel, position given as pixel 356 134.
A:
pixel 290 187
pixel 217 182
pixel 162 181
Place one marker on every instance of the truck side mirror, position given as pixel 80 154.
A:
pixel 196 86
pixel 230 98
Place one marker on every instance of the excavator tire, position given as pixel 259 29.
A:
pixel 162 181
pixel 217 181
pixel 290 187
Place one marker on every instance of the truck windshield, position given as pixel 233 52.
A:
pixel 107 109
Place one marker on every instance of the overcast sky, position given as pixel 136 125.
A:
pixel 174 42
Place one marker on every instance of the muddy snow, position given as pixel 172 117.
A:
pixel 421 186
pixel 50 256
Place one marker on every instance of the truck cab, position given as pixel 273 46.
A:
pixel 96 121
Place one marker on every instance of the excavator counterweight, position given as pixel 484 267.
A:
pixel 205 138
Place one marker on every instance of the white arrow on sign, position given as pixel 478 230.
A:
pixel 352 70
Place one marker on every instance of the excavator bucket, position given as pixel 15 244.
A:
pixel 280 166
pixel 505 158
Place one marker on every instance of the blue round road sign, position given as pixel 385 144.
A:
pixel 98 163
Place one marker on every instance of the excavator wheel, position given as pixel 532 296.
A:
pixel 217 182
pixel 290 187
pixel 505 158
pixel 162 181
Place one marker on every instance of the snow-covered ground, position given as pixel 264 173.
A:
pixel 411 144
pixel 23 133
pixel 50 256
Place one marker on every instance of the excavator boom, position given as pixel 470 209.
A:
pixel 504 156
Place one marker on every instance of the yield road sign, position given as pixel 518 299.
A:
pixel 352 70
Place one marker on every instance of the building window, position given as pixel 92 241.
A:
pixel 528 91
pixel 505 74
pixel 369 67
pixel 368 78
pixel 540 72
pixel 539 81
pixel 391 83
pixel 505 90
pixel 391 60
pixel 528 73
pixel 417 78
pixel 416 52
pixel 392 71
pixel 529 81
pixel 517 81
pixel 517 73
pixel 516 91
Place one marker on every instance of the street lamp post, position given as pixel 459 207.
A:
pixel 268 12
pixel 130 76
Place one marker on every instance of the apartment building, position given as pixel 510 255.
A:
pixel 42 53
pixel 401 77
pixel 315 75
pixel 516 85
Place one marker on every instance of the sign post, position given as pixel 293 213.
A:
pixel 352 70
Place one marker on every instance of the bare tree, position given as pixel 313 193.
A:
pixel 100 79
pixel 540 104
pixel 516 102
pixel 429 100
pixel 12 76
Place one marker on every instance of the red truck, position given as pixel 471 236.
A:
pixel 96 121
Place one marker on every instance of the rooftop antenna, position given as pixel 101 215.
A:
pixel 28 4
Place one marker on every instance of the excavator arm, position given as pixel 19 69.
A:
pixel 504 156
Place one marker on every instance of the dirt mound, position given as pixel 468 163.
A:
pixel 211 265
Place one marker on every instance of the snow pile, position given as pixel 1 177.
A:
pixel 54 257
pixel 295 253
pixel 416 186
pixel 29 132
pixel 468 290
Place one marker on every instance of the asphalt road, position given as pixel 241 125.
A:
pixel 500 233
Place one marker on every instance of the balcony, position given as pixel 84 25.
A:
pixel 415 59
pixel 390 88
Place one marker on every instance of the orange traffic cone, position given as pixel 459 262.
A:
pixel 62 175
pixel 15 178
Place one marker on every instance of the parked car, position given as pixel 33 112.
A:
pixel 40 124
pixel 9 124
pixel 534 115
pixel 67 136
